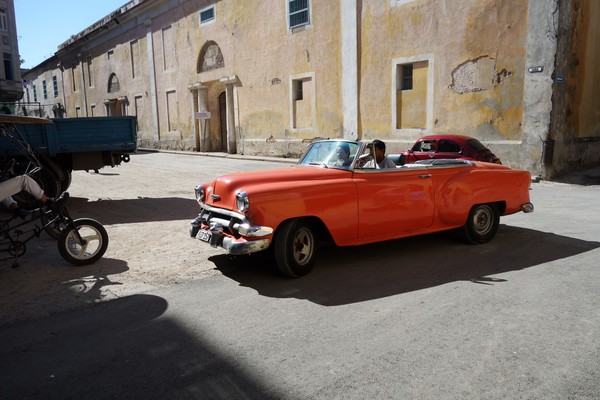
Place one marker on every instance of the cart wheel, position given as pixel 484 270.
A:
pixel 83 242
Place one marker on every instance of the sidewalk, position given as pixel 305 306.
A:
pixel 223 155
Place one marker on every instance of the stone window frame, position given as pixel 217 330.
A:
pixel 412 133
pixel 45 89
pixel 293 97
pixel 396 3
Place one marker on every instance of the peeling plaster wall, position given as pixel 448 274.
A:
pixel 479 49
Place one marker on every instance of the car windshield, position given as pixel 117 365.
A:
pixel 330 154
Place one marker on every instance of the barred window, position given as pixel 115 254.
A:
pixel 207 14
pixel 55 86
pixel 407 77
pixel 298 13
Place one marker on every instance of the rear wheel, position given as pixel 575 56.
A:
pixel 295 248
pixel 65 183
pixel 83 242
pixel 482 223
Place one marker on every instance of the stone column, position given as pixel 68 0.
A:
pixel 124 102
pixel 152 78
pixel 200 104
pixel 230 83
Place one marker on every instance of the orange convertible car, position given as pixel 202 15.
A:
pixel 334 193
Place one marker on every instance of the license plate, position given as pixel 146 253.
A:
pixel 203 235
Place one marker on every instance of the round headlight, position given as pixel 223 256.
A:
pixel 199 193
pixel 241 201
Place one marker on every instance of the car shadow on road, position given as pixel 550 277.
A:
pixel 355 274
pixel 126 211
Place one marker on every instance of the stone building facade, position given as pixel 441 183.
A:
pixel 11 88
pixel 264 77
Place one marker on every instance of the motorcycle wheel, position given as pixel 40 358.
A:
pixel 91 247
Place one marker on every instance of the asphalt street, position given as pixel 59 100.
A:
pixel 420 318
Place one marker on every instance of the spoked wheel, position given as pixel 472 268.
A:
pixel 83 242
pixel 47 181
pixel 17 249
pixel 295 247
pixel 482 223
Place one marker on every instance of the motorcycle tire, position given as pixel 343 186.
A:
pixel 92 247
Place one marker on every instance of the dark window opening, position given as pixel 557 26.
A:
pixel 207 15
pixel 8 69
pixel 407 77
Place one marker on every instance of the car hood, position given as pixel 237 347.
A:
pixel 221 191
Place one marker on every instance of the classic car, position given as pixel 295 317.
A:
pixel 445 146
pixel 330 196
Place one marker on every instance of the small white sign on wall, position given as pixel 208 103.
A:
pixel 203 115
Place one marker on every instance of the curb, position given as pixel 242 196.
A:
pixel 222 155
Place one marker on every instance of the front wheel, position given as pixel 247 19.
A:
pixel 295 248
pixel 482 223
pixel 83 242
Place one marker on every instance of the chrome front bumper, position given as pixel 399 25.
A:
pixel 216 236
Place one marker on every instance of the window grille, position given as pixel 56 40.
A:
pixel 407 77
pixel 298 13
pixel 55 86
pixel 207 15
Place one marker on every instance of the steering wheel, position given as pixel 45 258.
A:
pixel 7 168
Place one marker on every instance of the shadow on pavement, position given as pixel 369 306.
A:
pixel 120 349
pixel 587 177
pixel 143 209
pixel 45 284
pixel 361 273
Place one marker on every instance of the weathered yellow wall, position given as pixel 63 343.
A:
pixel 479 61
pixel 587 87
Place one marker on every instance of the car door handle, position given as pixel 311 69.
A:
pixel 425 176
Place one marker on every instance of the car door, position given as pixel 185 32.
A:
pixel 393 201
